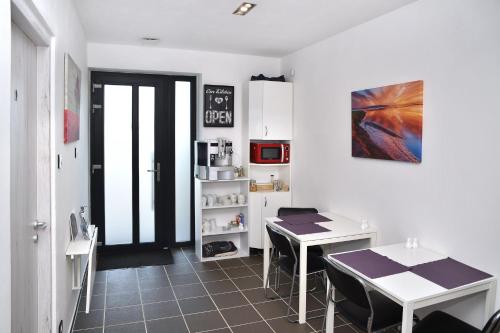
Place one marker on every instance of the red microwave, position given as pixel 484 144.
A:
pixel 269 153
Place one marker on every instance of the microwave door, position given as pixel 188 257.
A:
pixel 282 153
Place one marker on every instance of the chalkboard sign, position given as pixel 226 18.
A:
pixel 218 106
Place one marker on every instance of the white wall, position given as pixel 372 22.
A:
pixel 5 97
pixel 211 68
pixel 450 201
pixel 71 182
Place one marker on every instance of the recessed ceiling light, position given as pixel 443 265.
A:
pixel 150 39
pixel 244 8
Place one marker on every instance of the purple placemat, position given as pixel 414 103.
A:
pixel 370 264
pixel 304 218
pixel 449 273
pixel 302 229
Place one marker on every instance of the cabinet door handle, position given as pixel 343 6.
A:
pixel 265 127
pixel 265 201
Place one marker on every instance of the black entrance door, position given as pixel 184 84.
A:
pixel 133 158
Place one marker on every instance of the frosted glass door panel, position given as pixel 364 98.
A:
pixel 182 161
pixel 147 175
pixel 118 164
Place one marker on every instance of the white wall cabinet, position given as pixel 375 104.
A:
pixel 270 110
pixel 262 205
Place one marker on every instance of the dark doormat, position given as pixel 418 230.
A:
pixel 107 261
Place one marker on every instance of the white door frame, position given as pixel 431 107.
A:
pixel 27 17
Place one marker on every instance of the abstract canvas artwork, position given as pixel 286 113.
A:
pixel 72 85
pixel 387 122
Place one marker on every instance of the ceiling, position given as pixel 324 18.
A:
pixel 272 28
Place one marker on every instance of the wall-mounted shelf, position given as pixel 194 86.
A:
pixel 78 249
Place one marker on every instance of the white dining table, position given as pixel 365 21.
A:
pixel 412 291
pixel 341 229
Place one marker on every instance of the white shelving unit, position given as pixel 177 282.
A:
pixel 223 214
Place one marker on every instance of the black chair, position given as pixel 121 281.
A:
pixel 287 260
pixel 370 311
pixel 439 322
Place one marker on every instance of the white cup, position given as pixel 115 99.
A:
pixel 234 198
pixel 210 200
pixel 364 224
pixel 241 199
pixel 204 200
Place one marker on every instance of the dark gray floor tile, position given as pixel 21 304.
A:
pixel 154 282
pixel 221 330
pixel 209 276
pixel 258 295
pixel 188 250
pixel 198 304
pixel 157 295
pixel 161 310
pixel 192 257
pixel 121 300
pixel 260 327
pixel 127 328
pixel 100 276
pixel 273 309
pixel 117 316
pixel 205 266
pixel 257 269
pixel 180 279
pixel 253 260
pixel 183 268
pixel 189 290
pixel 282 325
pixel 311 303
pixel 128 286
pixel 240 315
pixel 170 325
pixel 96 303
pixel 237 272
pixel 91 320
pixel 150 271
pixel 231 262
pixel 248 282
pixel 229 300
pixel 98 289
pixel 204 321
pixel 122 275
pixel 218 287
pixel 90 330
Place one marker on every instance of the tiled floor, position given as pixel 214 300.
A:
pixel 190 297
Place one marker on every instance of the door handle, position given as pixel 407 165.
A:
pixel 156 171
pixel 265 127
pixel 39 225
pixel 265 201
pixel 96 167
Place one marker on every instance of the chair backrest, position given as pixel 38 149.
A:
pixel 349 286
pixel 281 243
pixel 493 324
pixel 285 211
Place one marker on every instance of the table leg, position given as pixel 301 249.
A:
pixel 489 303
pixel 266 253
pixel 407 324
pixel 302 283
pixel 330 311
pixel 373 240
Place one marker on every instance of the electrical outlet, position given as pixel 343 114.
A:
pixel 61 326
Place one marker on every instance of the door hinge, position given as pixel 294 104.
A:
pixel 96 86
pixel 96 107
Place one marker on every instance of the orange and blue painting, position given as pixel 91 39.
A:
pixel 387 122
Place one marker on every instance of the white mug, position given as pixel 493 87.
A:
pixel 210 200
pixel 204 200
pixel 241 199
pixel 234 198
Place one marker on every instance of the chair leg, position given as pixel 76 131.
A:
pixel 290 299
pixel 327 305
pixel 267 280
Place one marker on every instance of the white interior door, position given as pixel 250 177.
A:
pixel 24 169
